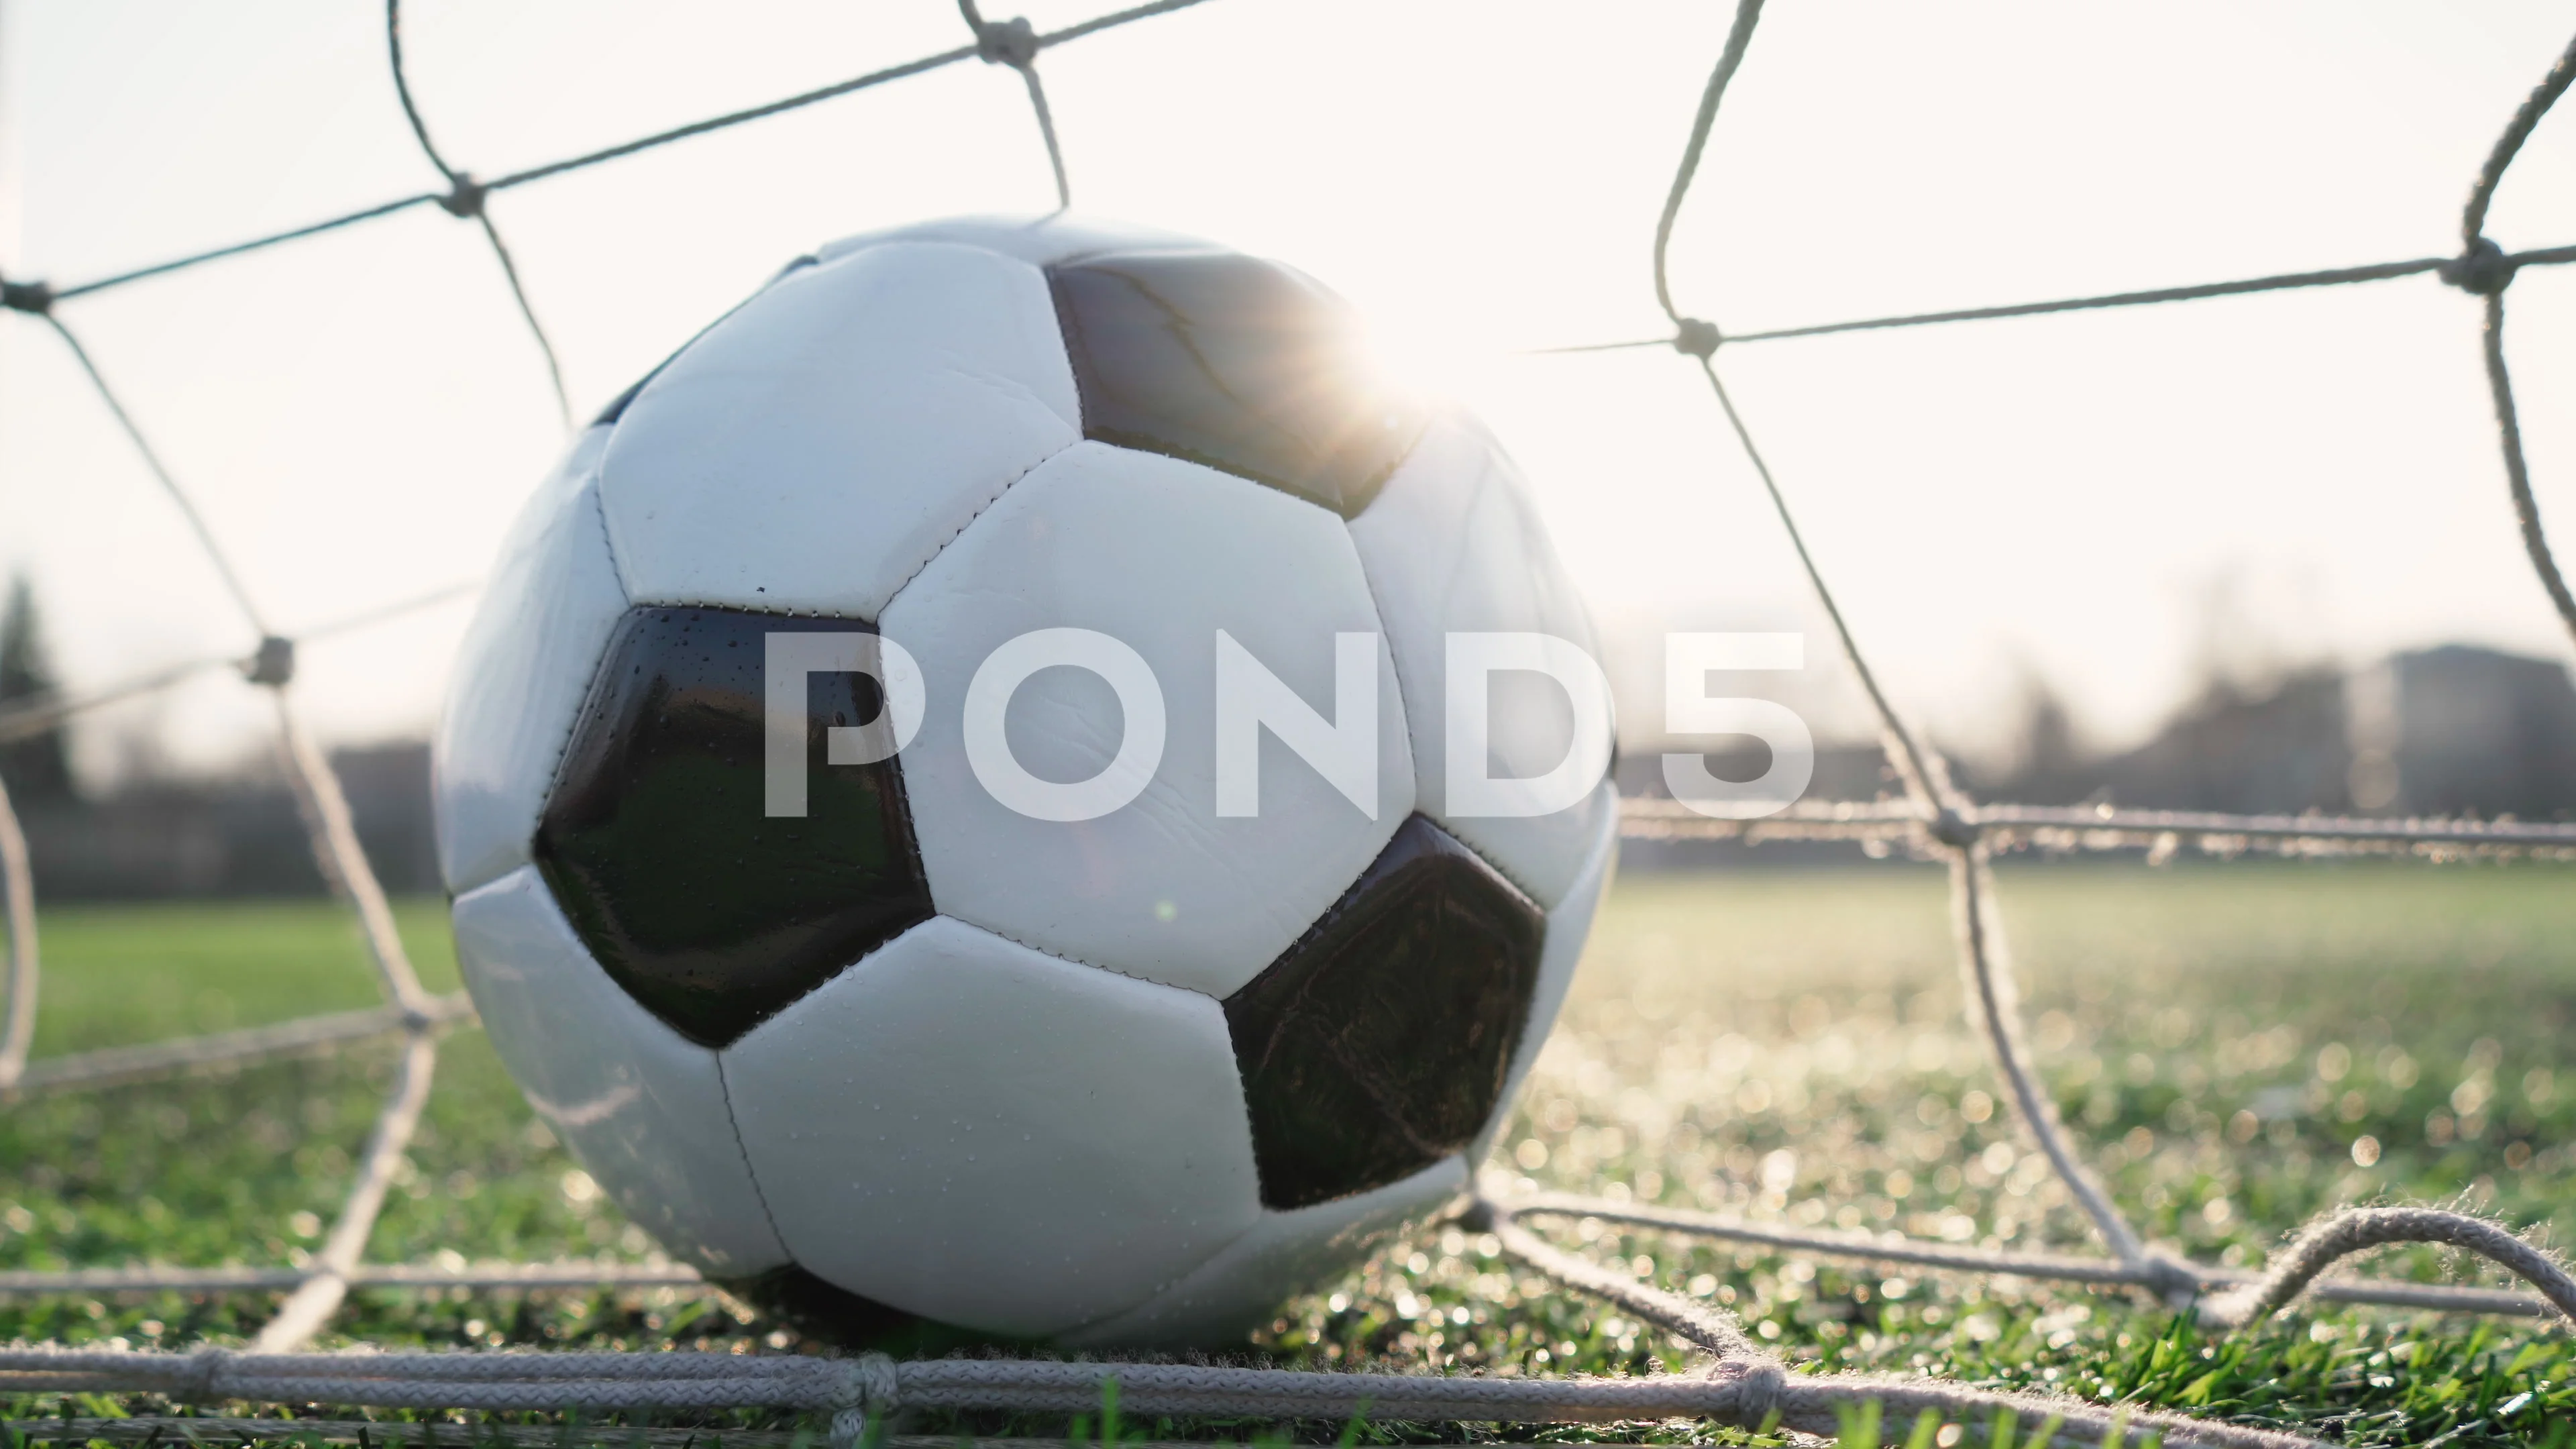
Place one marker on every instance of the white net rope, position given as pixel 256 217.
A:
pixel 1737 1384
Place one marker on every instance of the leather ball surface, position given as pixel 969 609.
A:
pixel 912 1055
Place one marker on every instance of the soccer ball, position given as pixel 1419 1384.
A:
pixel 1016 783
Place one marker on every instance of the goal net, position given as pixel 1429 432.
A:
pixel 1930 816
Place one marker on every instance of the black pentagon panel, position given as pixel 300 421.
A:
pixel 657 843
pixel 1378 1044
pixel 1234 362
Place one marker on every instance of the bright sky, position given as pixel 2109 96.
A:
pixel 360 415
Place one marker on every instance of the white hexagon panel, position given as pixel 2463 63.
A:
pixel 1158 556
pixel 1569 926
pixel 946 798
pixel 811 451
pixel 1236 1291
pixel 499 739
pixel 643 1109
pixel 1454 546
pixel 982 1134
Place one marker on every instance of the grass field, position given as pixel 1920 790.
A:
pixel 2242 1046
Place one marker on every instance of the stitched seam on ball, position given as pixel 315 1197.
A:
pixel 733 1123
pixel 1078 961
pixel 589 496
pixel 1407 704
pixel 1528 892
pixel 597 488
pixel 1598 862
pixel 598 509
pixel 980 510
pixel 1386 641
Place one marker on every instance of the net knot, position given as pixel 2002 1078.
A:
pixel 1758 1382
pixel 34 298
pixel 2483 270
pixel 2170 1279
pixel 274 663
pixel 870 1389
pixel 1693 337
pixel 464 195
pixel 1953 829
pixel 202 1379
pixel 1012 42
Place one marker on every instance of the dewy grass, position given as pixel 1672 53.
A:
pixel 2241 1047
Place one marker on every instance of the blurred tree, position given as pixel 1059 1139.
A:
pixel 38 769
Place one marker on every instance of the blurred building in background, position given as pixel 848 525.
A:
pixel 2458 730
pixel 155 833
pixel 229 835
pixel 2453 730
